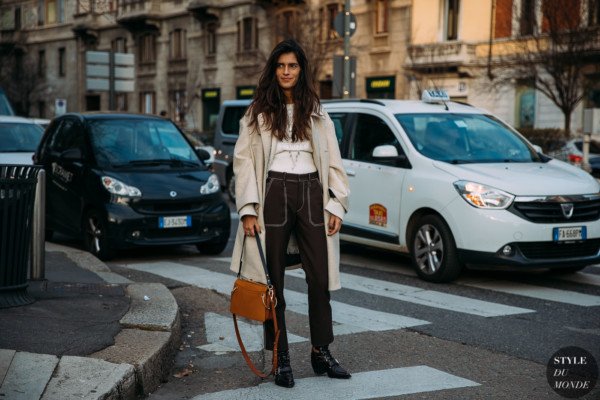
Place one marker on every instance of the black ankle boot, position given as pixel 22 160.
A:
pixel 283 374
pixel 323 362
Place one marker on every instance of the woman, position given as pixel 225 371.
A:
pixel 290 180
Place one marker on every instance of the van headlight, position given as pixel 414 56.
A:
pixel 211 185
pixel 482 196
pixel 115 186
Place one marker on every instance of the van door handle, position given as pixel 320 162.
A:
pixel 350 172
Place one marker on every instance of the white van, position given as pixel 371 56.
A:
pixel 453 185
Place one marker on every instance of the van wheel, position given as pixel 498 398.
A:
pixel 95 236
pixel 231 187
pixel 433 251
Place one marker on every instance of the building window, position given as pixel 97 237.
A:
pixel 211 39
pixel 329 14
pixel 119 45
pixel 452 13
pixel 178 105
pixel 247 34
pixel 381 16
pixel 41 63
pixel 177 44
pixel 593 12
pixel 147 103
pixel 121 101
pixel 287 22
pixel 147 49
pixel 50 12
pixel 503 19
pixel 104 6
pixel 527 21
pixel 61 61
pixel 17 18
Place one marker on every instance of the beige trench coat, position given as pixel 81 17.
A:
pixel 253 154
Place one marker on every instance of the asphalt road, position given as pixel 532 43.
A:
pixel 487 335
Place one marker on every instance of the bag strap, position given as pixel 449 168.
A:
pixel 256 371
pixel 271 303
pixel 262 258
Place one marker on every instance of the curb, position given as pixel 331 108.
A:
pixel 136 364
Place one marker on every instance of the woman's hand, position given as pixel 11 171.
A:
pixel 334 225
pixel 250 223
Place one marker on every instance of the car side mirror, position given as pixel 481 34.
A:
pixel 538 149
pixel 389 154
pixel 202 154
pixel 71 155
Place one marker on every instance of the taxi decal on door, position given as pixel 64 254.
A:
pixel 377 215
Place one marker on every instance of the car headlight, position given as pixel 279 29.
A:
pixel 115 186
pixel 482 196
pixel 211 185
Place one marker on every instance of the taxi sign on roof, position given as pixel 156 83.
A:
pixel 434 96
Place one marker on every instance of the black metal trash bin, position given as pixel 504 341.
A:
pixel 17 195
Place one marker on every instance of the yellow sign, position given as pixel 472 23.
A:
pixel 377 215
pixel 381 83
pixel 211 94
pixel 247 92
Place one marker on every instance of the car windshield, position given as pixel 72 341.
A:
pixel 465 138
pixel 135 142
pixel 594 146
pixel 19 137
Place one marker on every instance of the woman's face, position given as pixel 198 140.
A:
pixel 288 71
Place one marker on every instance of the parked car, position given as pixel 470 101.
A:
pixel 19 137
pixel 226 134
pixel 199 144
pixel 123 180
pixel 43 122
pixel 572 152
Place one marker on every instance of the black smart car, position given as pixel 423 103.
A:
pixel 124 180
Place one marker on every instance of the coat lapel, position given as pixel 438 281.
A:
pixel 316 146
pixel 267 143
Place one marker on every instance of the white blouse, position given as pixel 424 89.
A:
pixel 293 157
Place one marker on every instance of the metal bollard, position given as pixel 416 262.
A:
pixel 38 231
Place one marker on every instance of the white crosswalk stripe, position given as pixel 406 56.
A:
pixel 347 318
pixel 363 385
pixel 536 292
pixel 430 298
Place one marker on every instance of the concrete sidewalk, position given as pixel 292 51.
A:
pixel 90 334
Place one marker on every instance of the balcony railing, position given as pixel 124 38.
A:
pixel 134 8
pixel 441 53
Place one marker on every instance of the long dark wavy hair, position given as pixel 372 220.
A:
pixel 269 99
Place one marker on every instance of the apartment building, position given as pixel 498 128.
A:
pixel 190 55
pixel 464 46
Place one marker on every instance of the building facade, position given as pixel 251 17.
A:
pixel 190 55
pixel 465 47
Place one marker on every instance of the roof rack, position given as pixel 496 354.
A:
pixel 370 101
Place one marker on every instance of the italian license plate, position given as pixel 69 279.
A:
pixel 570 233
pixel 183 221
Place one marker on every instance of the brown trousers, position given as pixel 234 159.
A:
pixel 294 203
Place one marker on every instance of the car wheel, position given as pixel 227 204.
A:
pixel 214 247
pixel 433 250
pixel 231 187
pixel 95 236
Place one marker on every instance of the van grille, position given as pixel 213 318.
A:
pixel 551 212
pixel 553 250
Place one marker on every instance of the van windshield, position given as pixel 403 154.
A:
pixel 465 138
pixel 19 137
pixel 135 142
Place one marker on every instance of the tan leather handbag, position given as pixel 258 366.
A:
pixel 255 301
